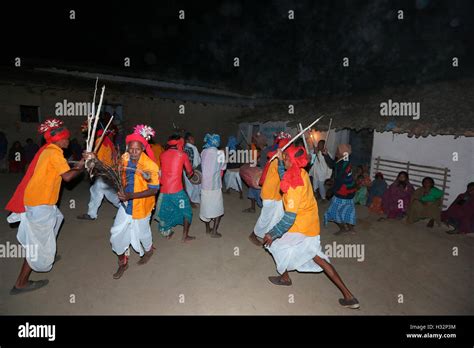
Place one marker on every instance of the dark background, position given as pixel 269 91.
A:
pixel 279 58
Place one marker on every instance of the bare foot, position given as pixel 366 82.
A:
pixel 253 238
pixel 430 223
pixel 350 229
pixel 187 239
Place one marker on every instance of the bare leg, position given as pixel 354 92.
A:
pixel 24 275
pixel 331 273
pixel 214 233
pixel 218 222
pixel 252 207
pixel 186 237
pixel 208 227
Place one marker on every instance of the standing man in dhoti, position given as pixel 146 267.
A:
pixel 100 189
pixel 193 191
pixel 34 204
pixel 320 170
pixel 213 165
pixel 272 209
pixel 173 206
pixel 294 241
pixel 141 184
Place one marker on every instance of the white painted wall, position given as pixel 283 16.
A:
pixel 434 151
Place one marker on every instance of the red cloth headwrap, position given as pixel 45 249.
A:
pixel 292 177
pixel 142 140
pixel 281 142
pixel 178 143
pixel 56 134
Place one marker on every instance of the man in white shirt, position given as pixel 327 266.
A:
pixel 320 171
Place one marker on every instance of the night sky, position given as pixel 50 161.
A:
pixel 279 58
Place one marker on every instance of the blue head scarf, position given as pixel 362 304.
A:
pixel 232 143
pixel 212 140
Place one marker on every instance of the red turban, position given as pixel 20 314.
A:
pixel 56 134
pixel 178 143
pixel 292 177
pixel 142 140
pixel 279 143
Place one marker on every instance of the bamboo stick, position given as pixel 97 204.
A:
pixel 91 116
pixel 327 134
pixel 96 120
pixel 296 137
pixel 102 136
pixel 304 139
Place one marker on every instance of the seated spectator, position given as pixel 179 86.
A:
pixel 376 190
pixel 361 193
pixel 426 203
pixel 396 198
pixel 460 214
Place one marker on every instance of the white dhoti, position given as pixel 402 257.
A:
pixel 295 251
pixel 271 213
pixel 39 227
pixel 126 231
pixel 98 190
pixel 212 205
pixel 232 180
pixel 193 191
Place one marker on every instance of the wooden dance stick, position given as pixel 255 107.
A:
pixel 296 137
pixel 103 134
pixel 96 120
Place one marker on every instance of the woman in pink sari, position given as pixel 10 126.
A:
pixel 397 197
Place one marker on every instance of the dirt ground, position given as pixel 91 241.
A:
pixel 210 278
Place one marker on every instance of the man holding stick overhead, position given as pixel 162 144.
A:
pixel 100 188
pixel 294 241
pixel 272 210
pixel 34 204
pixel 141 184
